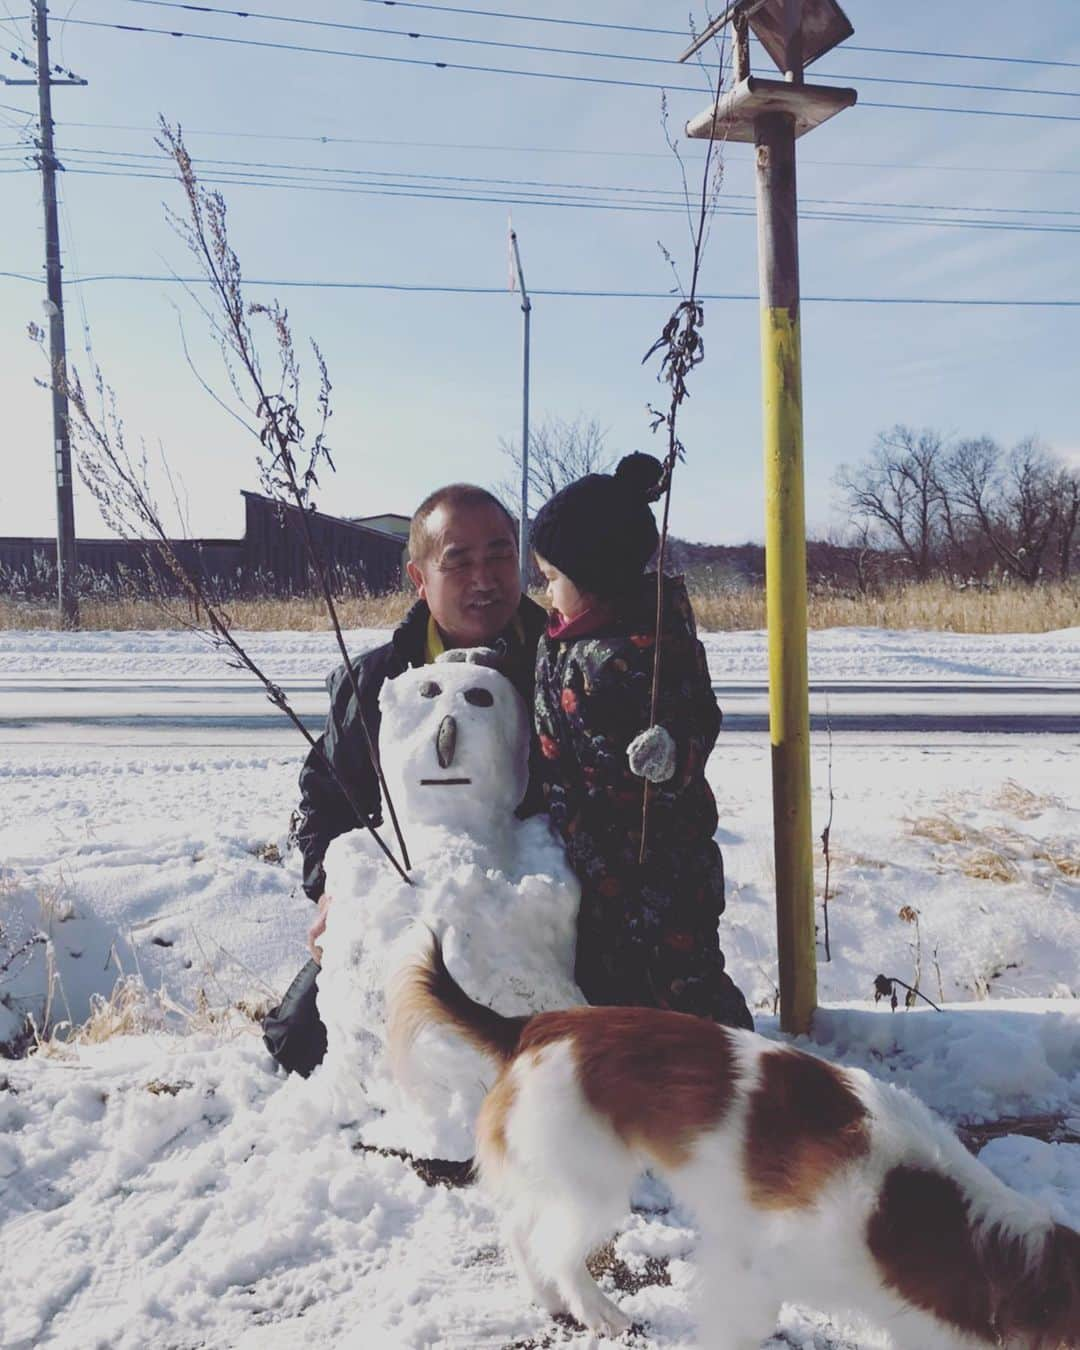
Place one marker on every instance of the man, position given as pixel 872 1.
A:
pixel 463 561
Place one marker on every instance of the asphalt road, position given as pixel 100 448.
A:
pixel 46 711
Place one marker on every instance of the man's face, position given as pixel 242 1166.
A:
pixel 469 576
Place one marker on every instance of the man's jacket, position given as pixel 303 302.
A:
pixel 325 811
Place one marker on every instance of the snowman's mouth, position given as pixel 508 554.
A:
pixel 443 782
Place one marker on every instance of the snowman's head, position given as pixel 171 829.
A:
pixel 454 743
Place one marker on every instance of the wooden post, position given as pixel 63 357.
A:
pixel 785 566
pixel 66 579
pixel 771 114
pixel 741 28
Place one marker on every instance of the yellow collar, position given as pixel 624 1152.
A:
pixel 434 646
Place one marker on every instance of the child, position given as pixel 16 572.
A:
pixel 647 932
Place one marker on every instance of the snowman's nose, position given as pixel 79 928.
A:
pixel 446 742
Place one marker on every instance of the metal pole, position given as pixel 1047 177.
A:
pixel 785 566
pixel 523 528
pixel 67 594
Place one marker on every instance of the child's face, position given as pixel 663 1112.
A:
pixel 561 591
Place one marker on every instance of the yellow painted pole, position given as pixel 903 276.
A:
pixel 785 568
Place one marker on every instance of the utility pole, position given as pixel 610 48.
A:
pixel 66 586
pixel 523 528
pixel 771 114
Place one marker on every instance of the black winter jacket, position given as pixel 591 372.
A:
pixel 647 932
pixel 324 810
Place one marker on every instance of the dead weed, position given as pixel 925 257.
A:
pixel 994 854
pixel 1022 802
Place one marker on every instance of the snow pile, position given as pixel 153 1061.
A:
pixel 497 889
pixel 1000 1058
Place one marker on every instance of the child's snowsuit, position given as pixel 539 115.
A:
pixel 647 933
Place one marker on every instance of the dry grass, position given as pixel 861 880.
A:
pixel 269 614
pixel 979 854
pixel 995 854
pixel 930 605
pixel 1021 802
pixel 129 1010
pixel 1062 855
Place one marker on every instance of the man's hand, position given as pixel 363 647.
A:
pixel 652 755
pixel 317 929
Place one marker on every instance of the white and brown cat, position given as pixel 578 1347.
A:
pixel 810 1184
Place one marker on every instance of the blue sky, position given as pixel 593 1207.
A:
pixel 426 384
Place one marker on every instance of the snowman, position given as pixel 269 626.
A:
pixel 455 749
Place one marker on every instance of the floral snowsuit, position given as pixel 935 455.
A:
pixel 647 933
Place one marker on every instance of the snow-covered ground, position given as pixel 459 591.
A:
pixel 169 1188
pixel 835 654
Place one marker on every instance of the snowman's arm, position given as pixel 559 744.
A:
pixel 325 811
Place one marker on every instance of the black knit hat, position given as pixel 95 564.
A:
pixel 600 530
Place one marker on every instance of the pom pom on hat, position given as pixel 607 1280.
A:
pixel 642 474
pixel 600 531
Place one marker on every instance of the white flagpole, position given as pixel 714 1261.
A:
pixel 526 309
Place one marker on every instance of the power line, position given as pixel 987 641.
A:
pixel 682 32
pixel 383 31
pixel 238 179
pixel 397 144
pixel 393 60
pixel 428 289
pixel 529 74
pixel 572 51
pixel 14 35
pixel 346 174
pixel 19 56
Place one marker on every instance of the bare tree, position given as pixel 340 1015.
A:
pixel 560 452
pixel 1067 491
pixel 1032 505
pixel 1024 505
pixel 897 495
pixel 850 554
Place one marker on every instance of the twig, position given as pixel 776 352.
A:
pixel 280 432
pixel 826 834
pixel 884 988
pixel 682 349
pixel 127 504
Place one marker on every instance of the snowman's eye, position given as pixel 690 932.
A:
pixel 429 689
pixel 479 697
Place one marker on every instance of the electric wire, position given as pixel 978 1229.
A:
pixel 424 288
pixel 394 143
pixel 574 51
pixel 611 81
pixel 88 155
pixel 667 32
pixel 561 201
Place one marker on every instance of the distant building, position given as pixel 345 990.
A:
pixel 391 523
pixel 366 554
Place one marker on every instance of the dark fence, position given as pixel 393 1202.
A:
pixel 271 558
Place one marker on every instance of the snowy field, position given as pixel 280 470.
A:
pixel 168 1187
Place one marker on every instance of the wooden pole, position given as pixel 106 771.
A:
pixel 785 567
pixel 66 585
pixel 741 28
